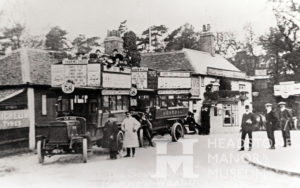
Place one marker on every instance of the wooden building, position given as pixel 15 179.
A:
pixel 24 82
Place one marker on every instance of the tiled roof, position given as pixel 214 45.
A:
pixel 40 66
pixel 166 61
pixel 186 60
pixel 26 66
pixel 201 60
pixel 11 71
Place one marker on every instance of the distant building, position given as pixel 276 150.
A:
pixel 208 68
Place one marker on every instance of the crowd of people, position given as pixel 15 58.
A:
pixel 283 119
pixel 117 59
pixel 132 127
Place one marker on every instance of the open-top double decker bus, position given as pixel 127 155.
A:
pixel 82 96
pixel 164 97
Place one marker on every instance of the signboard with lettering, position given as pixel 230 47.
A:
pixel 139 69
pixel 57 75
pixel 152 80
pixel 76 73
pixel 225 73
pixel 93 75
pixel 75 61
pixel 175 74
pixel 14 119
pixel 173 92
pixel 140 79
pixel 115 92
pixel 144 78
pixel 195 90
pixel 80 74
pixel 261 72
pixel 169 113
pixel 111 80
pixel 287 89
pixel 174 82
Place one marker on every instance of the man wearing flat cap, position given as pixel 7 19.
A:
pixel 285 118
pixel 271 123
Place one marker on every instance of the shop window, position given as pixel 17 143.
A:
pixel 230 115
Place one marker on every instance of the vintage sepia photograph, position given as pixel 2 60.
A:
pixel 149 93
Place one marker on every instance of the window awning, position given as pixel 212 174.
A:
pixel 9 93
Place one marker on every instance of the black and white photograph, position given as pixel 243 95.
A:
pixel 149 93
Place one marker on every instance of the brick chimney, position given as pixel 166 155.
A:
pixel 207 40
pixel 113 41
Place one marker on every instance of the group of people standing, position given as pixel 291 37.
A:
pixel 131 128
pixel 283 120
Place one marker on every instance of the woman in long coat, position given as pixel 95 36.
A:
pixel 130 126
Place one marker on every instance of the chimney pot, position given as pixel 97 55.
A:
pixel 208 27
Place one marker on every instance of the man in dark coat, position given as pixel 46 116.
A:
pixel 271 123
pixel 205 119
pixel 285 118
pixel 190 120
pixel 112 132
pixel 248 122
pixel 146 127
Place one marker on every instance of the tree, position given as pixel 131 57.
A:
pixel 13 34
pixel 55 39
pixel 157 37
pixel 273 44
pixel 85 45
pixel 247 58
pixel 287 13
pixel 130 46
pixel 183 37
pixel 226 44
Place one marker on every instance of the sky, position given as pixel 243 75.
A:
pixel 95 17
